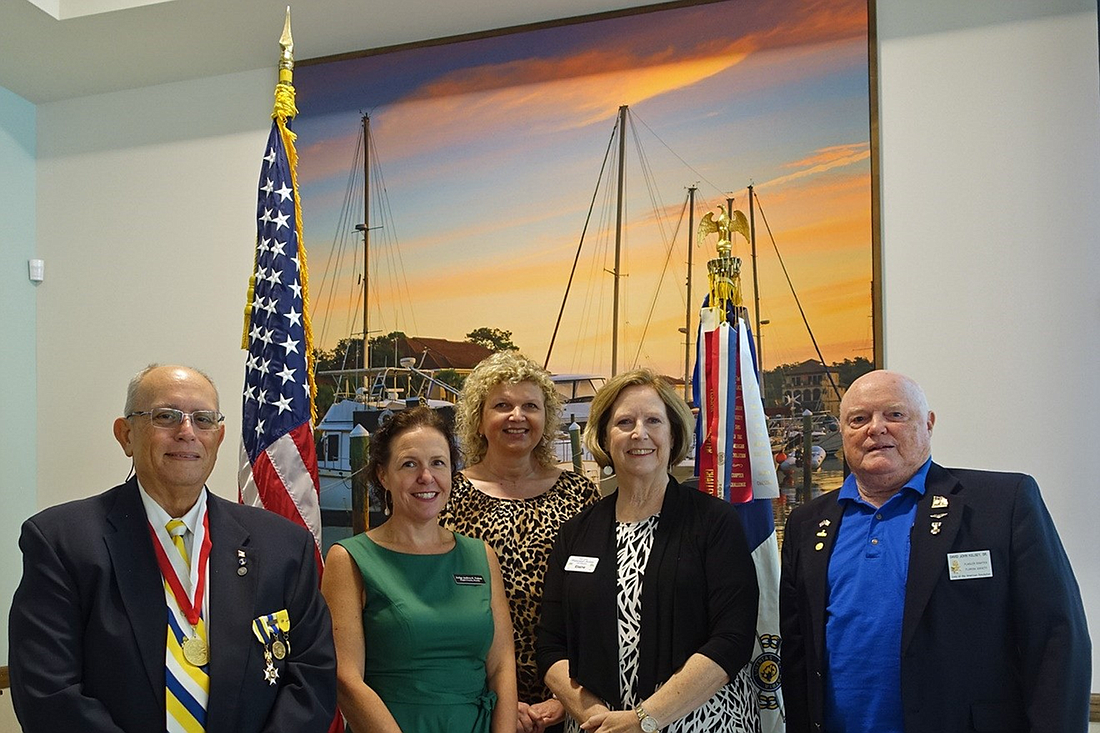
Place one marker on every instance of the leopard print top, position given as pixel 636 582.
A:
pixel 522 533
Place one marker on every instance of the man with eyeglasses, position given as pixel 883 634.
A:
pixel 159 606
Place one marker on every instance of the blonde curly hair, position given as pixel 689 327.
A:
pixel 505 367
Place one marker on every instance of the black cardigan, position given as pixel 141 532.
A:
pixel 699 595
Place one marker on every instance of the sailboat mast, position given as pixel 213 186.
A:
pixel 687 316
pixel 618 241
pixel 755 279
pixel 366 244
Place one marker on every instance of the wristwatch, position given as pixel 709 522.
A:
pixel 649 724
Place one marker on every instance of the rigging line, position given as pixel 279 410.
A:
pixel 651 184
pixel 385 200
pixel 657 291
pixel 654 198
pixel 339 245
pixel 593 317
pixel 806 321
pixel 587 218
pixel 324 284
pixel 669 243
pixel 676 155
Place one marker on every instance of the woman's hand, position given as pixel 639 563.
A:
pixel 619 721
pixel 535 718
pixel 550 712
pixel 528 720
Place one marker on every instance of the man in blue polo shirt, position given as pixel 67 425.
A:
pixel 924 599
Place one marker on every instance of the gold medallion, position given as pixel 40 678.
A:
pixel 195 651
pixel 278 648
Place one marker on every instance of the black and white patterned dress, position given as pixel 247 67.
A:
pixel 732 709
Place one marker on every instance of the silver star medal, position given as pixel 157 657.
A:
pixel 270 673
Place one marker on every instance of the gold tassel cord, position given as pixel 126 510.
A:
pixel 248 305
pixel 292 158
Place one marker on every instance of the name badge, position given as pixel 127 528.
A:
pixel 969 565
pixel 469 579
pixel 581 564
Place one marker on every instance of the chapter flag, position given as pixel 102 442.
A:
pixel 733 455
pixel 278 469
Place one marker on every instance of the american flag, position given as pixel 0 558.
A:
pixel 278 459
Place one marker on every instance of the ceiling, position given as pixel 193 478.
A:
pixel 60 49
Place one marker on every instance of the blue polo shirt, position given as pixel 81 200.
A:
pixel 868 569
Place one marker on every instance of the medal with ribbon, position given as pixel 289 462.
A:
pixel 273 632
pixel 195 650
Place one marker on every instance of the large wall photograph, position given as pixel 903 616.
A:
pixel 494 166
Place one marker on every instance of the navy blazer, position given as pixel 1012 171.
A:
pixel 88 622
pixel 1005 653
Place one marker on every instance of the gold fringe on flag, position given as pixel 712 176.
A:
pixel 283 110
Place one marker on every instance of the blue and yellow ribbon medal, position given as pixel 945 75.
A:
pixel 273 631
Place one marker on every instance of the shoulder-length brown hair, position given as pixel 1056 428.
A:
pixel 681 421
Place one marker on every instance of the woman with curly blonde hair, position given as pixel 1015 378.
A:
pixel 512 496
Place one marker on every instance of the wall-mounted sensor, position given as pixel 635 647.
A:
pixel 37 270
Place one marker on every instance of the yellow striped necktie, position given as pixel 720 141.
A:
pixel 186 687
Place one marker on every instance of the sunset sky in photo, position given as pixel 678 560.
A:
pixel 490 152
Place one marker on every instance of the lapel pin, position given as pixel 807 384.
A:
pixel 936 527
pixel 939 502
pixel 824 523
pixel 822 533
pixel 819 546
pixel 938 515
pixel 242 563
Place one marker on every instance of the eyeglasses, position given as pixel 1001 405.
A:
pixel 169 418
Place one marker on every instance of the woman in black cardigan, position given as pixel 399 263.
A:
pixel 649 608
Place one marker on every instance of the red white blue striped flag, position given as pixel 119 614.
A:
pixel 734 462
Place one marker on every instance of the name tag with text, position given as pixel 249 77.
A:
pixel 581 564
pixel 969 565
pixel 469 579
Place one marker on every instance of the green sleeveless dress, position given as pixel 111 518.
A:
pixel 428 627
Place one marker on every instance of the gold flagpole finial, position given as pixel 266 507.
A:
pixel 284 90
pixel 286 41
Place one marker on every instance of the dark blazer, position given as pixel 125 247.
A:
pixel 88 622
pixel 699 595
pixel 1006 653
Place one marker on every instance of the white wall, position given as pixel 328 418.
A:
pixel 18 417
pixel 990 120
pixel 146 220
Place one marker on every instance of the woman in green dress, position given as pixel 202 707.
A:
pixel 419 615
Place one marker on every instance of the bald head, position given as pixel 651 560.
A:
pixel 887 431
pixel 135 385
pixel 883 379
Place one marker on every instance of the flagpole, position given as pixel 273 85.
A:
pixel 755 278
pixel 687 319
